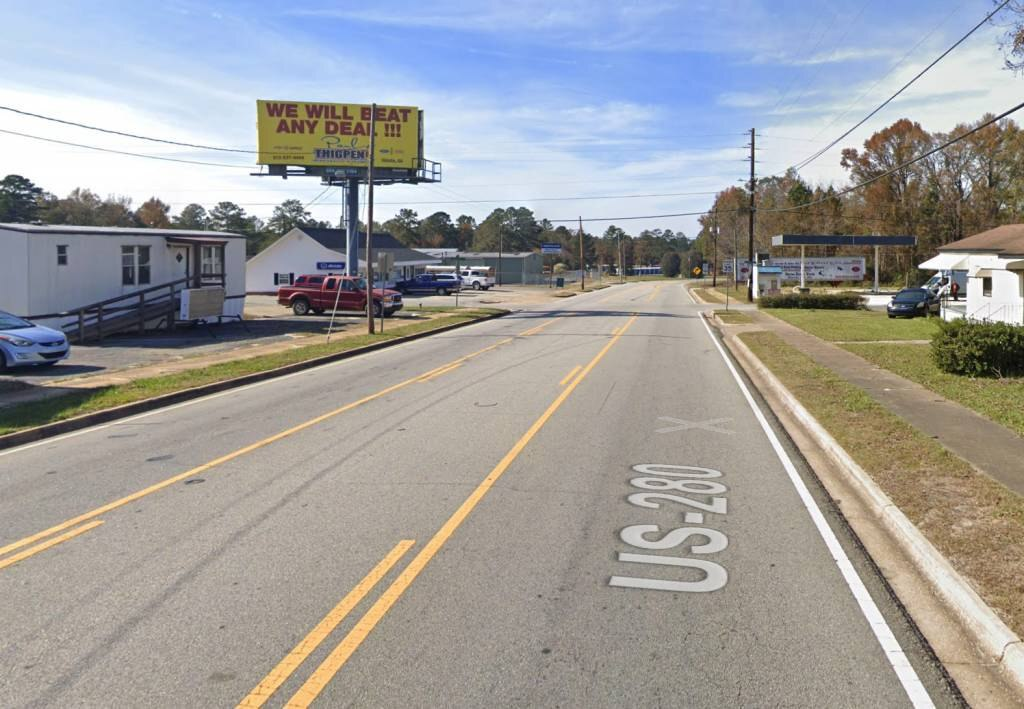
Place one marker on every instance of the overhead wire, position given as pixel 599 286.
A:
pixel 136 136
pixel 808 160
pixel 122 152
pixel 908 163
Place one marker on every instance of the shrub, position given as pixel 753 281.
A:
pixel 814 301
pixel 979 349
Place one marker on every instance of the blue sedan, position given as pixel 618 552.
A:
pixel 24 343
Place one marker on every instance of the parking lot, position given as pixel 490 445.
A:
pixel 268 328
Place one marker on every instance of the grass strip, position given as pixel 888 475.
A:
pixel 709 295
pixel 857 325
pixel 733 317
pixel 86 401
pixel 974 521
pixel 997 399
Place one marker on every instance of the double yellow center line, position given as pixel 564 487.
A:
pixel 93 514
pixel 327 669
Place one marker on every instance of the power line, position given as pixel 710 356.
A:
pixel 808 160
pixel 121 152
pixel 644 216
pixel 122 133
pixel 808 83
pixel 496 201
pixel 933 30
pixel 908 163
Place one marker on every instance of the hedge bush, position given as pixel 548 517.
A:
pixel 979 349
pixel 813 301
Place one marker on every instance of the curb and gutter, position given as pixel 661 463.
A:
pixel 76 423
pixel 996 641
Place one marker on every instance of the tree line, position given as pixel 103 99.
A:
pixel 511 229
pixel 974 185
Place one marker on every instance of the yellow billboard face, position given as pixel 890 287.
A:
pixel 336 134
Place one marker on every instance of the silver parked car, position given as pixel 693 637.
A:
pixel 25 343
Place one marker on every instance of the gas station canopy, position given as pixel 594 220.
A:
pixel 873 240
pixel 842 240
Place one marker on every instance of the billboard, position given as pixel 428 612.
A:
pixel 312 134
pixel 847 268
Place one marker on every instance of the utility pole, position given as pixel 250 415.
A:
pixel 622 259
pixel 750 222
pixel 369 223
pixel 582 266
pixel 714 261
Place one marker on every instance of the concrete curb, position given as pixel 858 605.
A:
pixel 49 430
pixel 992 636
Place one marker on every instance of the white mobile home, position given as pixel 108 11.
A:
pixel 48 269
pixel 312 250
pixel 994 261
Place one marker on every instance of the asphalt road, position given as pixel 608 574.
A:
pixel 576 505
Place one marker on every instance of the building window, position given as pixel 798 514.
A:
pixel 283 279
pixel 986 286
pixel 211 259
pixel 135 266
pixel 62 254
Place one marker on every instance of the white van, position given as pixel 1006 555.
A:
pixel 935 282
pixel 477 277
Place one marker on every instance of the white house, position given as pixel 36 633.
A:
pixel 49 269
pixel 994 261
pixel 310 250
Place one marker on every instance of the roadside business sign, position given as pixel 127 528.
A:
pixel 313 134
pixel 839 268
pixel 330 265
pixel 549 248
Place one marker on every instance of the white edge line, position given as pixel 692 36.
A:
pixel 216 395
pixel 912 685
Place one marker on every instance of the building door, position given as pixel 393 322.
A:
pixel 179 262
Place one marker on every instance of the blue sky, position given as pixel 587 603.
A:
pixel 525 103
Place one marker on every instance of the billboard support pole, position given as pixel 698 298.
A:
pixel 369 222
pixel 352 228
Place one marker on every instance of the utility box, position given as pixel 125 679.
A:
pixel 201 304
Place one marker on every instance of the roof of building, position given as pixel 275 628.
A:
pixel 335 239
pixel 1003 240
pixel 114 230
pixel 492 254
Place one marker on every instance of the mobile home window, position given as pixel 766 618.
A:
pixel 212 260
pixel 135 266
pixel 986 286
pixel 62 254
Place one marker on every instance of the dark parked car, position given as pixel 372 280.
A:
pixel 910 302
pixel 440 283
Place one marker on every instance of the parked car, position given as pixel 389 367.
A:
pixel 440 283
pixel 476 278
pixel 910 302
pixel 23 343
pixel 318 293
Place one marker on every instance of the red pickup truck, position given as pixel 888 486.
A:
pixel 317 293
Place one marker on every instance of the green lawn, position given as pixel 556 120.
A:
pixel 974 521
pixel 89 400
pixel 1001 400
pixel 857 325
